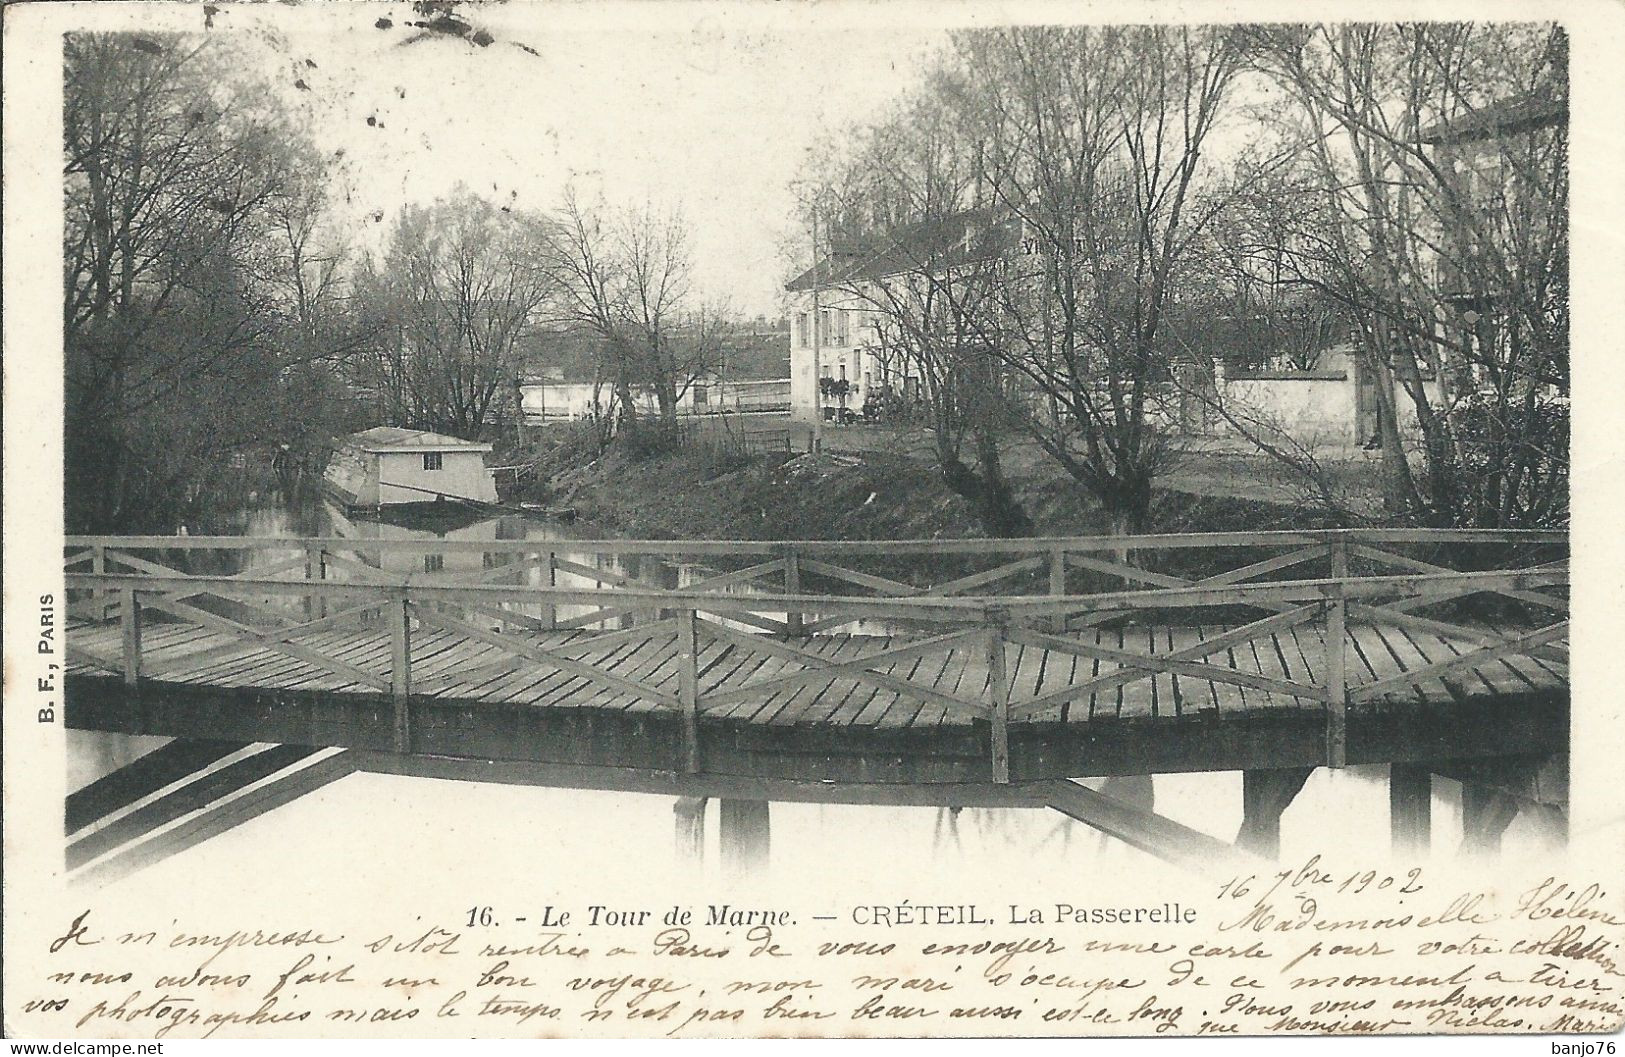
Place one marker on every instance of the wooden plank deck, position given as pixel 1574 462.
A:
pixel 995 673
pixel 847 698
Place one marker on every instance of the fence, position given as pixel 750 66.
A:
pixel 1025 596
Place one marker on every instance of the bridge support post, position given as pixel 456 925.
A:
pixel 550 612
pixel 1057 587
pixel 1494 791
pixel 400 670
pixel 689 814
pixel 998 688
pixel 794 622
pixel 1265 795
pixel 315 571
pixel 1410 809
pixel 1485 815
pixel 688 688
pixel 98 596
pixel 130 634
pixel 744 835
pixel 1337 661
pixel 1552 821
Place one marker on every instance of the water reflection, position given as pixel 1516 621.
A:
pixel 308 514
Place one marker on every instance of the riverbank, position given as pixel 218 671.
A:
pixel 851 495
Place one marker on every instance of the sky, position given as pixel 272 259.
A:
pixel 712 109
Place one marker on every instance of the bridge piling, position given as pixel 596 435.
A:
pixel 1497 790
pixel 689 814
pixel 1410 809
pixel 744 835
pixel 1265 796
pixel 1486 813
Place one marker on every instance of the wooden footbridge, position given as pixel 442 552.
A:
pixel 949 672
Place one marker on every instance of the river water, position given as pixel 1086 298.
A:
pixel 372 828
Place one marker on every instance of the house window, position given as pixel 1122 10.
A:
pixel 433 563
pixel 841 333
pixel 801 330
pixel 431 460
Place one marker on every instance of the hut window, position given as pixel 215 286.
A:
pixel 431 460
pixel 433 563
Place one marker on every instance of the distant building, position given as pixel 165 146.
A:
pixel 845 305
pixel 560 401
pixel 844 309
pixel 390 466
pixel 755 351
pixel 846 330
pixel 1504 162
pixel 1333 403
pixel 564 375
pixel 544 401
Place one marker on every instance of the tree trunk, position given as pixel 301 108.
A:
pixel 1128 504
pixel 995 503
pixel 1002 514
pixel 1398 487
pixel 627 412
pixel 665 388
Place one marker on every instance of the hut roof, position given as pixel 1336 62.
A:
pixel 394 438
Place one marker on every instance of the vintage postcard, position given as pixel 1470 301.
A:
pixel 828 520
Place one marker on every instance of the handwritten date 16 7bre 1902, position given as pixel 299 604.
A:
pixel 1309 949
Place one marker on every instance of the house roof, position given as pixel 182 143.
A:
pixel 1504 117
pixel 394 438
pixel 937 242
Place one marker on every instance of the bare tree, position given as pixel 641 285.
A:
pixel 324 329
pixel 927 260
pixel 463 287
pixel 626 276
pixel 1439 154
pixel 1261 312
pixel 1093 141
pixel 171 313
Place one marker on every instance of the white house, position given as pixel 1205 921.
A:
pixel 835 318
pixel 851 311
pixel 390 466
pixel 841 308
pixel 847 331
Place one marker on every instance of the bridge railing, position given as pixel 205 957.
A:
pixel 882 568
pixel 290 604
